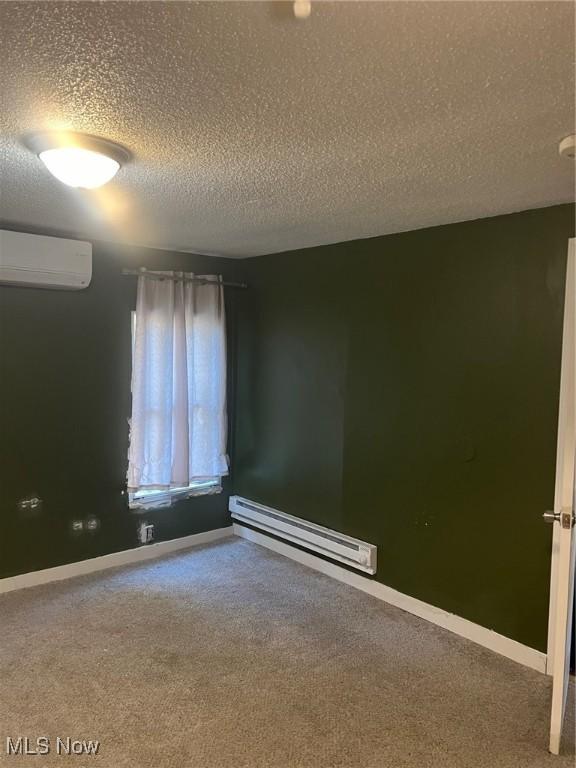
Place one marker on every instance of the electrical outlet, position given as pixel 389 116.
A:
pixel 30 506
pixel 91 524
pixel 145 532
pixel 77 526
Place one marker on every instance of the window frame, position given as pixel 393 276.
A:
pixel 156 498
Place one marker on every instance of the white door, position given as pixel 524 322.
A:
pixel 563 546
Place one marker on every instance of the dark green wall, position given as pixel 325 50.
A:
pixel 65 366
pixel 404 389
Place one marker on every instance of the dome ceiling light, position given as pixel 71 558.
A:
pixel 78 159
pixel 302 8
pixel 567 147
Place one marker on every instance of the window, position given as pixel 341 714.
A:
pixel 178 425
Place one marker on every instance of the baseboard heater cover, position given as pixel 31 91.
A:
pixel 353 552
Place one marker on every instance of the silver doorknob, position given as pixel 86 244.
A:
pixel 551 517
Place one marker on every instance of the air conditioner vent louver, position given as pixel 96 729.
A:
pixel 355 553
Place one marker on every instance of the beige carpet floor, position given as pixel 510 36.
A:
pixel 231 656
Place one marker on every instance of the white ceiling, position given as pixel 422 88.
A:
pixel 253 132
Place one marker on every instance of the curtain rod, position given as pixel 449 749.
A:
pixel 152 276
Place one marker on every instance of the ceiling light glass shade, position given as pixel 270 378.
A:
pixel 78 159
pixel 78 167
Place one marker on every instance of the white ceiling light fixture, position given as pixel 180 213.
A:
pixel 567 147
pixel 302 9
pixel 78 159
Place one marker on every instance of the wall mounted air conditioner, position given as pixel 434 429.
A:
pixel 37 261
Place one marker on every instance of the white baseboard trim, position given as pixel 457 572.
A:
pixel 505 646
pixel 113 560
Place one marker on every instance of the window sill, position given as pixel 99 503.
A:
pixel 165 498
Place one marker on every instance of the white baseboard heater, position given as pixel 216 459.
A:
pixel 355 553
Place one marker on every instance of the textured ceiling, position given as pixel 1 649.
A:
pixel 253 132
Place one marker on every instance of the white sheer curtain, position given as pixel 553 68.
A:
pixel 178 426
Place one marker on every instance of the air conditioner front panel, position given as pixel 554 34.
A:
pixel 44 262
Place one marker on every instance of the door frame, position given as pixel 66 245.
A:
pixel 556 528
